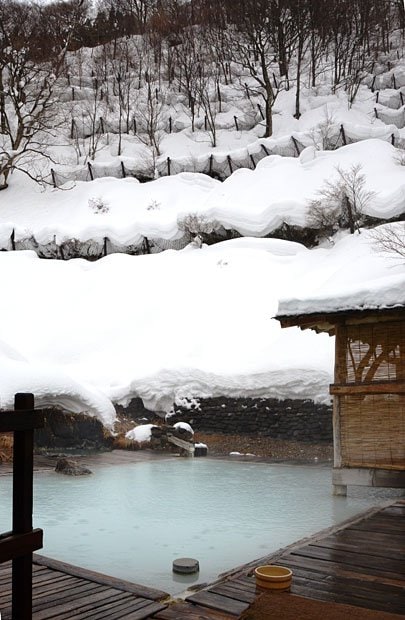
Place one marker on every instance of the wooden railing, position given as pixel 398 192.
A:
pixel 19 544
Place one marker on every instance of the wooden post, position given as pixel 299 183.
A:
pixel 393 139
pixel 168 166
pixel 343 134
pixel 170 124
pixel 211 162
pixel 90 170
pixel 23 465
pixel 340 377
pixel 296 146
pixel 375 112
pixel 53 177
pixel 235 118
pixel 229 163
pixel 105 246
pixel 123 169
pixel 252 160
pixel 12 239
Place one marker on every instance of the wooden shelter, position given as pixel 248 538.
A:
pixel 368 391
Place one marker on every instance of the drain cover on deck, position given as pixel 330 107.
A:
pixel 186 566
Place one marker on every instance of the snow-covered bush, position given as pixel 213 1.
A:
pixel 197 224
pixel 340 202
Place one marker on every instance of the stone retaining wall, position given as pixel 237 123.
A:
pixel 299 420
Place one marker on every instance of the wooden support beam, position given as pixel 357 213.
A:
pixel 384 387
pixel 16 545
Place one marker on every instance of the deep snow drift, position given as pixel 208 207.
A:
pixel 177 325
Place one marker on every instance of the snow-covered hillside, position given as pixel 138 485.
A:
pixel 162 316
pixel 252 203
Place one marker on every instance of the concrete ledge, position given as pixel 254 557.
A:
pixel 394 479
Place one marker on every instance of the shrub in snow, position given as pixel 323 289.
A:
pixel 340 202
pixel 98 204
pixel 400 157
pixel 197 224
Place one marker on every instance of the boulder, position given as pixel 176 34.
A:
pixel 71 468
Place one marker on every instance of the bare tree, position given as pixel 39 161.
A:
pixel 340 203
pixel 29 74
pixel 390 239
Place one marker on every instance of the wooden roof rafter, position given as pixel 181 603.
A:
pixel 326 322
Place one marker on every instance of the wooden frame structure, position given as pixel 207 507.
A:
pixel 369 394
pixel 19 544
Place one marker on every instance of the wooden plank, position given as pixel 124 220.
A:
pixel 146 612
pixel 20 420
pixel 82 604
pixel 17 545
pixel 389 590
pixel 47 597
pixel 114 610
pixel 233 593
pixel 383 387
pixel 187 611
pixel 352 588
pixel 343 599
pixel 112 582
pixel 216 601
pixel 350 546
pixel 336 568
pixel 75 592
pixel 360 560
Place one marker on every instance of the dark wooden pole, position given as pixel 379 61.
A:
pixel 22 511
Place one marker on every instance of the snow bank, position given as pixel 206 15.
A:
pixel 166 326
pixel 51 386
pixel 140 433
pixel 354 275
pixel 253 202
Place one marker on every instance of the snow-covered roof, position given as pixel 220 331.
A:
pixel 355 275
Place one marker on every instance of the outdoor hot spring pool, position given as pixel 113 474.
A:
pixel 132 521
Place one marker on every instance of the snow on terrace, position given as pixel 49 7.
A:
pixel 353 275
pixel 163 327
pixel 251 202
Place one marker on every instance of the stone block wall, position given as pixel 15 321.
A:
pixel 299 420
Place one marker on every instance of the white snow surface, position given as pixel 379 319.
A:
pixel 185 426
pixel 353 275
pixel 162 327
pixel 140 433
pixel 182 325
pixel 253 202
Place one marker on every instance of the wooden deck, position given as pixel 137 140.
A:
pixel 361 564
pixel 65 592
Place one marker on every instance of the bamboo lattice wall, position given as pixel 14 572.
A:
pixel 371 371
